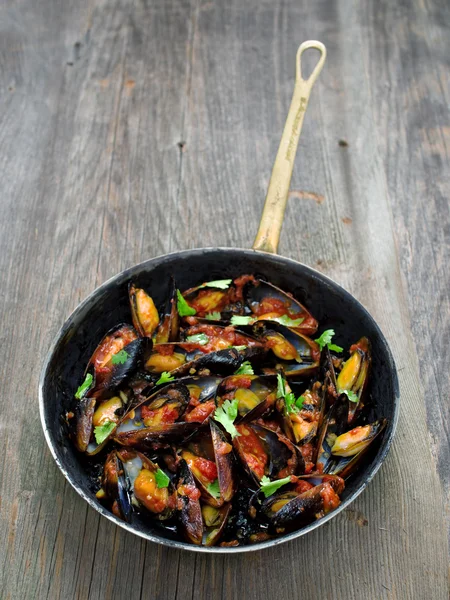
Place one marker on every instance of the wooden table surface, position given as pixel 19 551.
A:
pixel 134 128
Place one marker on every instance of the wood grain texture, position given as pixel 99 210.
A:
pixel 131 129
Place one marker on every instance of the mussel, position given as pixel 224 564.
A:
pixel 264 452
pixel 301 424
pixel 349 448
pixel 202 391
pixel 183 359
pixel 255 395
pixel 190 513
pixel 215 520
pixel 353 376
pixel 293 353
pixel 270 303
pixel 115 358
pixel 290 508
pixel 156 419
pixel 210 459
pixel 334 424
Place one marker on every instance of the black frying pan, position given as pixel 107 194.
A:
pixel 329 303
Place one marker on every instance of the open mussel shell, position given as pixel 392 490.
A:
pixel 218 337
pixel 190 514
pixel 182 359
pixel 108 413
pixel 334 424
pixel 354 374
pixel 116 490
pixel 215 520
pixel 264 452
pixel 141 485
pixel 268 302
pixel 293 353
pixel 202 391
pixel 168 327
pixel 111 371
pixel 223 454
pixel 350 447
pixel 301 425
pixel 83 412
pixel 255 395
pixel 206 300
pixel 327 375
pixel 289 508
pixel 156 419
pixel 143 311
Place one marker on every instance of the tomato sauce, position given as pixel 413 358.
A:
pixel 200 412
pixel 330 499
pixel 165 414
pixel 190 491
pixel 251 447
pixel 303 486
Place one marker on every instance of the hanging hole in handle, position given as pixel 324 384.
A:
pixel 308 67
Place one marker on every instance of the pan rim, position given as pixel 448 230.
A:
pixel 380 457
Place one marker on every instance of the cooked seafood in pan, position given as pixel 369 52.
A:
pixel 227 415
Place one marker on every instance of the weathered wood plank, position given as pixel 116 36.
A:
pixel 416 164
pixel 95 180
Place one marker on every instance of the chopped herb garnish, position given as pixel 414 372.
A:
pixel 120 358
pixel 238 320
pixel 269 487
pixel 214 489
pixel 101 432
pixel 239 348
pixel 84 387
pixel 166 377
pixel 226 414
pixel 325 340
pixel 292 405
pixel 245 369
pixel 221 284
pixel 299 402
pixel 213 316
pixel 162 480
pixel 199 338
pixel 350 395
pixel 184 310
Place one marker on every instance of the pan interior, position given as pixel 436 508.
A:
pixel 108 305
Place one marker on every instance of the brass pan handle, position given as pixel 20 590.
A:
pixel 269 230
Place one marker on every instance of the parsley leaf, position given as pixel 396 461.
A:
pixel 214 489
pixel 226 414
pixel 166 377
pixel 101 432
pixel 120 358
pixel 162 480
pixel 299 402
pixel 245 369
pixel 213 316
pixel 84 387
pixel 281 387
pixel 184 310
pixel 350 395
pixel 291 404
pixel 238 320
pixel 287 321
pixel 199 338
pixel 325 340
pixel 221 284
pixel 269 487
